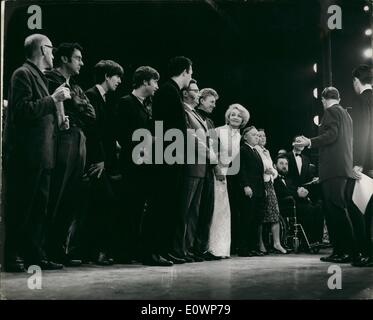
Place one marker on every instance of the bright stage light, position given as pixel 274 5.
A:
pixel 366 8
pixel 368 53
pixel 316 120
pixel 315 93
pixel 368 32
pixel 315 67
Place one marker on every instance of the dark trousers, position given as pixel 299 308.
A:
pixel 369 228
pixel 164 210
pixel 186 227
pixel 233 194
pixel 26 200
pixel 206 211
pixel 251 217
pixel 310 216
pixel 362 223
pixel 93 232
pixel 65 197
pixel 134 196
pixel 337 217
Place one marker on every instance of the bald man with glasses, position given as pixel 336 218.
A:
pixel 29 156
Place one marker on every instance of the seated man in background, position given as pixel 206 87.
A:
pixel 309 213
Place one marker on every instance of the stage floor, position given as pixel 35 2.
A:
pixel 300 276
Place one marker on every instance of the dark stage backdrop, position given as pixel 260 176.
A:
pixel 257 53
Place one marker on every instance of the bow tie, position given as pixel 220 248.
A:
pixel 281 177
pixel 297 155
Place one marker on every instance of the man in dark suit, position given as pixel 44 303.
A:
pixel 65 203
pixel 29 155
pixel 309 213
pixel 335 168
pixel 134 112
pixel 299 165
pixel 362 116
pixel 101 202
pixel 252 194
pixel 201 158
pixel 165 210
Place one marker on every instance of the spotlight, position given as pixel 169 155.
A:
pixel 315 67
pixel 316 120
pixel 368 32
pixel 315 93
pixel 366 8
pixel 368 53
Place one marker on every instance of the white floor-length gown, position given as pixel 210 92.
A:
pixel 220 230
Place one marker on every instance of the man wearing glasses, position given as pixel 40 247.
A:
pixel 66 187
pixel 29 156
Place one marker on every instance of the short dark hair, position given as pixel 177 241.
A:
pixel 107 68
pixel 330 93
pixel 144 73
pixel 281 156
pixel 66 49
pixel 178 64
pixel 364 73
pixel 247 129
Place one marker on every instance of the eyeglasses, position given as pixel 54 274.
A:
pixel 48 46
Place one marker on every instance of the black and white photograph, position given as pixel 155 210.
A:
pixel 199 151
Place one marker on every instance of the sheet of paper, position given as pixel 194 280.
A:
pixel 363 192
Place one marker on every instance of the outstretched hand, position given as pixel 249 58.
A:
pixel 302 142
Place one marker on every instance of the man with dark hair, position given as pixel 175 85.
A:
pixel 70 155
pixel 309 213
pixel 299 165
pixel 29 156
pixel 101 202
pixel 165 210
pixel 335 168
pixel 362 116
pixel 252 194
pixel 134 112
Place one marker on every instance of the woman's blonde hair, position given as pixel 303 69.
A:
pixel 244 113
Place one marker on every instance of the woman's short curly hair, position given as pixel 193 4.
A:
pixel 244 113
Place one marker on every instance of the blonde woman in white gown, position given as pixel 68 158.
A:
pixel 229 146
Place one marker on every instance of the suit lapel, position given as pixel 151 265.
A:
pixel 195 116
pixel 38 78
pixel 141 106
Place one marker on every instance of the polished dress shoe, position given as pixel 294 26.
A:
pixel 245 254
pixel 72 263
pixel 14 267
pixel 369 263
pixel 210 257
pixel 329 258
pixel 174 259
pixel 157 260
pixel 256 253
pixel 198 256
pixel 195 257
pixel 360 261
pixel 345 258
pixel 49 265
